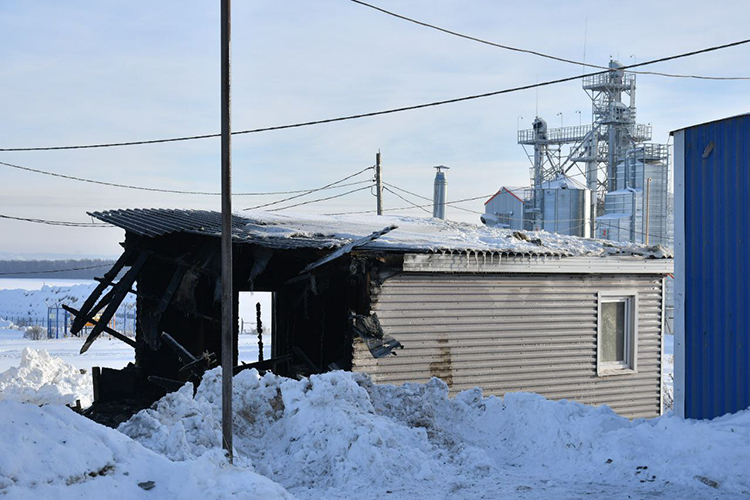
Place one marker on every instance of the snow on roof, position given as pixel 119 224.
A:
pixel 563 182
pixel 412 234
pixel 613 216
pixel 517 193
pixel 624 191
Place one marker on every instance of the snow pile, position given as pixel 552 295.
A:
pixel 338 434
pixel 323 431
pixel 667 387
pixel 52 452
pixel 41 379
pixel 9 331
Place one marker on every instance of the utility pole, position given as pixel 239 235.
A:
pixel 648 199
pixel 227 295
pixel 379 183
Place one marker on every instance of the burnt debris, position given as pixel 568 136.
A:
pixel 320 304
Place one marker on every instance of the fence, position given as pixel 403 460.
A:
pixel 58 321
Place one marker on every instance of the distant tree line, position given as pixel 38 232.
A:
pixel 83 269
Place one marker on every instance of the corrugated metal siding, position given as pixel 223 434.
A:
pixel 506 333
pixel 717 262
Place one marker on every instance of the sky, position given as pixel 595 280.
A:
pixel 83 72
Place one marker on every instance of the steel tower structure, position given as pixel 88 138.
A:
pixel 600 147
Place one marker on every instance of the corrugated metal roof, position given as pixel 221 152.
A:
pixel 412 234
pixel 718 120
pixel 717 267
pixel 153 222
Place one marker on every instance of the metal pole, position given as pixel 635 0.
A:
pixel 227 331
pixel 259 328
pixel 379 183
pixel 648 195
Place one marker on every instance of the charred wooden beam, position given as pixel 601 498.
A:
pixel 167 384
pixel 80 321
pixel 195 264
pixel 267 364
pixel 109 283
pixel 151 328
pixel 196 365
pixel 120 291
pixel 189 312
pixel 107 329
pixel 301 355
pixel 347 248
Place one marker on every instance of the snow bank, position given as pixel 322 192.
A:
pixel 9 331
pixel 337 435
pixel 41 378
pixel 52 452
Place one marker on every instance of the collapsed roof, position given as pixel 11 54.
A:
pixel 411 234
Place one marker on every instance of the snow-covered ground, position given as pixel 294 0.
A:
pixel 38 283
pixel 50 452
pixel 105 351
pixel 30 299
pixel 338 435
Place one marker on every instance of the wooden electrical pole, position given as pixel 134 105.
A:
pixel 379 183
pixel 648 200
pixel 227 296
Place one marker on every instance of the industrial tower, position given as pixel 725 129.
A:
pixel 614 158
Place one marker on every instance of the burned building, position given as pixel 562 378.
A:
pixel 401 298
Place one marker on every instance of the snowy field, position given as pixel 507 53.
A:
pixel 38 283
pixel 31 297
pixel 338 436
pixel 105 351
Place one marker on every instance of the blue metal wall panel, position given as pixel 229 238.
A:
pixel 717 267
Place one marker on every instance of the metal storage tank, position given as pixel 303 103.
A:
pixel 647 161
pixel 614 227
pixel 566 207
pixel 712 268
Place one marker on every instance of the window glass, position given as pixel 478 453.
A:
pixel 613 332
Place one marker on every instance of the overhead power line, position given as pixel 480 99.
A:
pixel 309 191
pixel 158 190
pixel 414 206
pixel 57 270
pixel 55 222
pixel 407 201
pixel 321 199
pixel 534 52
pixel 451 203
pixel 386 111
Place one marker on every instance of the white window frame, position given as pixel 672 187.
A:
pixel 630 365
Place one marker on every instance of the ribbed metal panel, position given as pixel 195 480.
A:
pixel 490 262
pixel 507 333
pixel 154 222
pixel 717 261
pixel 291 231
